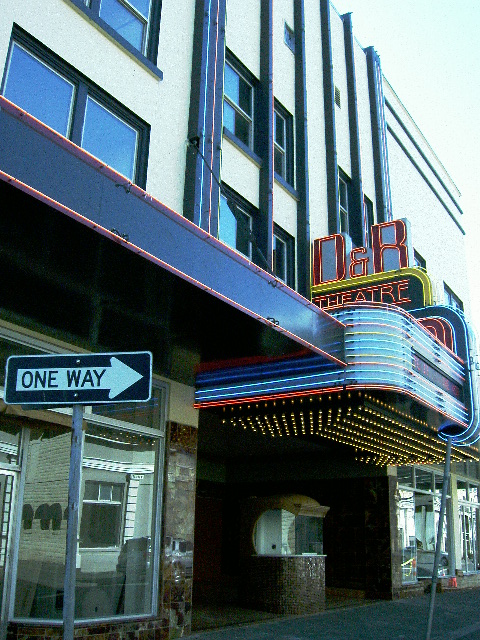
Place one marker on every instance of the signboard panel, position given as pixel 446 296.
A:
pixel 409 288
pixel 67 379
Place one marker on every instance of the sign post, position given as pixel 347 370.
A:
pixel 48 381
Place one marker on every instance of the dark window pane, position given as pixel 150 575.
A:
pixel 279 258
pixel 243 236
pixel 91 490
pixel 123 21
pixel 279 161
pixel 242 129
pixel 39 90
pixel 105 492
pixel 109 138
pixel 279 130
pixel 100 526
pixel 423 480
pixel 245 96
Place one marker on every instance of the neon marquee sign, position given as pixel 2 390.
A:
pixel 334 258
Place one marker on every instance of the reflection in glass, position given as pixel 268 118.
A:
pixel 280 532
pixel 234 232
pixel 427 514
pixel 41 553
pixel 38 89
pixel 469 537
pixel 7 480
pixel 114 576
pixel 109 138
pixel 124 21
pixel 423 480
pixel 404 476
pixel 145 414
pixel 406 534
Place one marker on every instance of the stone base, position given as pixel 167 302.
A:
pixel 284 584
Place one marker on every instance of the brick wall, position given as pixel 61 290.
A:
pixel 284 584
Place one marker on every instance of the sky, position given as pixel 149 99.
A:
pixel 430 54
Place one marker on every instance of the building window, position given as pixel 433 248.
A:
pixel 63 99
pixel 235 225
pixel 368 219
pixel 283 143
pixel 134 24
pixel 418 513
pixel 468 506
pixel 419 261
pixel 451 299
pixel 289 37
pixel 101 523
pixel 343 196
pixel 338 97
pixel 238 105
pixel 129 19
pixel 283 256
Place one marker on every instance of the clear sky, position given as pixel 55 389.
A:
pixel 430 54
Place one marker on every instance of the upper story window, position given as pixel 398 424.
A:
pixel 129 18
pixel 235 225
pixel 62 98
pixel 238 105
pixel 368 219
pixel 343 198
pixel 283 256
pixel 419 261
pixel 134 24
pixel 283 144
pixel 451 299
pixel 289 37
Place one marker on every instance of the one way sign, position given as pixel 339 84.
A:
pixel 67 379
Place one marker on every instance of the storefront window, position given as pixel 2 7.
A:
pixel 469 523
pixel 418 514
pixel 114 568
pixel 118 513
pixel 406 532
pixel 41 552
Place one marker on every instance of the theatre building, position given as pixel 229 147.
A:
pixel 234 187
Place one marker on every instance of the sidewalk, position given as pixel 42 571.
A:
pixel 456 617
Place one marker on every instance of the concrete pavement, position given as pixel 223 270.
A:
pixel 457 617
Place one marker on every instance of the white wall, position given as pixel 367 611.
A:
pixel 164 104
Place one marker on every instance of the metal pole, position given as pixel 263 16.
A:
pixel 438 549
pixel 76 453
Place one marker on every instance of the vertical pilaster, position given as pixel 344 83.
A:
pixel 202 192
pixel 301 155
pixel 379 133
pixel 357 226
pixel 329 114
pixel 264 133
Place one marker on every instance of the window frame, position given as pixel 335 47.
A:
pixel 247 77
pixel 246 209
pixel 419 261
pixel 289 243
pixel 369 219
pixel 288 176
pixel 343 213
pixel 83 88
pixel 451 299
pixel 148 58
